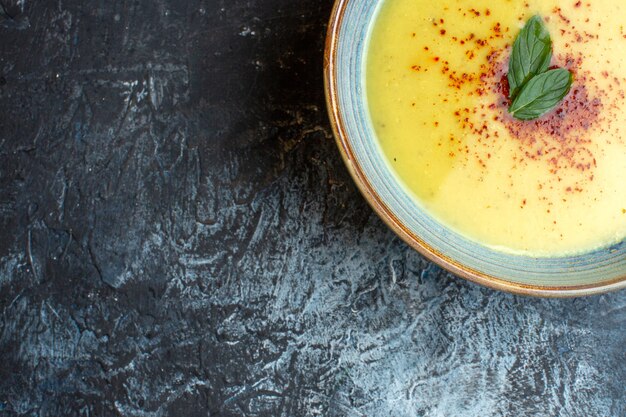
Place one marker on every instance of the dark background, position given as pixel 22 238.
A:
pixel 179 237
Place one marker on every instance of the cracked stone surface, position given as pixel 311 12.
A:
pixel 179 237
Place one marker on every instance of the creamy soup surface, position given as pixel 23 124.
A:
pixel 437 92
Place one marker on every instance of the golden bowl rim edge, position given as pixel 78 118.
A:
pixel 385 213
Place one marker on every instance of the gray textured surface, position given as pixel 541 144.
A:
pixel 178 237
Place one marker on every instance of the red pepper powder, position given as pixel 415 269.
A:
pixel 563 138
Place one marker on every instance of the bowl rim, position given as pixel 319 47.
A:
pixel 385 213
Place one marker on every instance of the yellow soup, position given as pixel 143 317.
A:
pixel 437 94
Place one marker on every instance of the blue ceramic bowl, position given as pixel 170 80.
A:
pixel 346 45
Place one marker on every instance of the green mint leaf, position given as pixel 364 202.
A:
pixel 531 55
pixel 541 94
